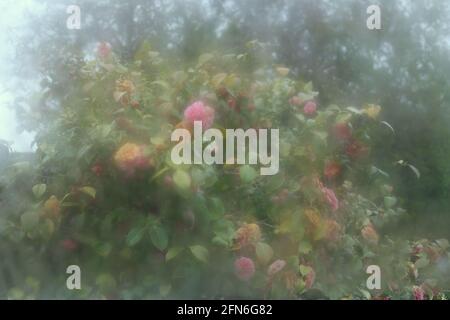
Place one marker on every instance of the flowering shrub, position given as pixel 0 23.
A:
pixel 130 157
pixel 199 112
pixel 105 195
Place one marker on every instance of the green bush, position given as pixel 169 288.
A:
pixel 105 195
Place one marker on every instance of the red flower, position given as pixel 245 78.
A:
pixel 331 198
pixel 97 170
pixel 248 234
pixel 418 293
pixel 342 131
pixel 281 197
pixel 329 195
pixel 332 169
pixel 168 181
pixel 356 149
pixel 222 92
pixel 310 278
pixel 333 230
pixel 232 103
pixel 370 234
pixel 276 267
pixel 130 157
pixel 295 101
pixel 69 245
pixel 244 268
pixel 417 249
pixel 103 50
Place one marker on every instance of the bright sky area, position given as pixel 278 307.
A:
pixel 12 17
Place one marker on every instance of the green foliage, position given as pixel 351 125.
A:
pixel 106 194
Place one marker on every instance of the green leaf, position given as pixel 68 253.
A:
pixel 389 202
pixel 375 170
pixel 247 174
pixel 300 117
pixel 29 220
pixel 308 87
pixel 173 252
pixel 182 179
pixel 304 247
pixel 161 83
pixel 200 252
pixel 204 58
pixel 304 270
pixel 322 135
pixel 389 126
pixel 83 151
pixel 354 110
pixel 406 164
pixel 218 79
pixel 366 294
pixel 307 96
pixel 264 252
pixel 104 249
pixel 282 71
pixel 180 76
pixel 217 208
pixel 117 95
pixel 47 228
pixel 39 190
pixel 90 191
pixel 159 237
pixel 443 243
pixel 106 282
pixel 134 236
pixel 422 263
pixel 224 233
pixel 164 289
pixel 159 173
pixel 16 294
pixel 415 170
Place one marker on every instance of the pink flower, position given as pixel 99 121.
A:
pixel 332 169
pixel 418 248
pixel 244 268
pixel 356 149
pixel 329 195
pixel 130 157
pixel 97 170
pixel 331 198
pixel 419 293
pixel 69 245
pixel 198 111
pixel 310 108
pixel 276 267
pixel 342 131
pixel 295 101
pixel 103 50
pixel 310 278
pixel 370 234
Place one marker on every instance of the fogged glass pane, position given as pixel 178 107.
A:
pixel 224 149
